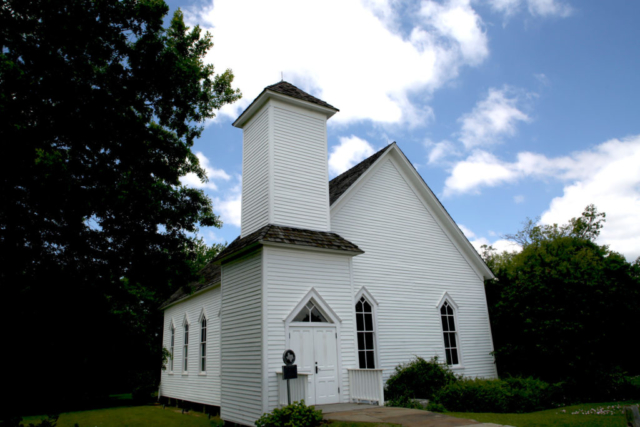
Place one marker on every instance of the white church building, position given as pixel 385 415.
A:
pixel 356 275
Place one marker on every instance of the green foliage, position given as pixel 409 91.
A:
pixel 100 105
pixel 295 415
pixel 404 401
pixel 436 407
pixel 49 421
pixel 514 395
pixel 561 308
pixel 418 379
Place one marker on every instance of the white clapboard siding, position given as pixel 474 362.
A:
pixel 300 177
pixel 290 275
pixel 194 386
pixel 255 173
pixel 241 341
pixel 408 264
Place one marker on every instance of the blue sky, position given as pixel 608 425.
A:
pixel 508 108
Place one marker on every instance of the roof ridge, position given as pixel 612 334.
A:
pixel 363 160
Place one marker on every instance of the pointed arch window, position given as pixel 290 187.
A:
pixel 185 352
pixel 203 345
pixel 310 313
pixel 173 343
pixel 449 329
pixel 366 334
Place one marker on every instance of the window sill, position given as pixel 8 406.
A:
pixel 456 367
pixel 170 373
pixel 184 374
pixel 202 374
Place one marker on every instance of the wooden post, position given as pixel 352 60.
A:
pixel 632 416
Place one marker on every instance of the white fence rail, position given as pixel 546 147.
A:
pixel 366 384
pixel 298 388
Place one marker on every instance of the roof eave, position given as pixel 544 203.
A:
pixel 267 94
pixel 347 252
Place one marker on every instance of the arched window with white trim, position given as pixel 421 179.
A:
pixel 450 332
pixel 366 334
pixel 310 313
pixel 185 352
pixel 173 343
pixel 203 344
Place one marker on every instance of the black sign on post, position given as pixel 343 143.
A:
pixel 289 370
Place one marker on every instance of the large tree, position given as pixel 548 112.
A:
pixel 564 308
pixel 100 106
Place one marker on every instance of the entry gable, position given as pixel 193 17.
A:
pixel 427 198
pixel 313 297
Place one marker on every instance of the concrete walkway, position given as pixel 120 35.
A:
pixel 351 412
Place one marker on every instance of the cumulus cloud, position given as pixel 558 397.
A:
pixel 440 150
pixel 362 64
pixel 538 8
pixel 500 245
pixel 192 180
pixel 518 199
pixel 467 232
pixel 492 118
pixel 607 175
pixel 351 151
pixel 229 207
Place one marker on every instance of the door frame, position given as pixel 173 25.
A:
pixel 335 322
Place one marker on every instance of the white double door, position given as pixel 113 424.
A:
pixel 317 355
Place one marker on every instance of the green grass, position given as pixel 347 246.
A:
pixel 139 416
pixel 560 417
pixel 131 416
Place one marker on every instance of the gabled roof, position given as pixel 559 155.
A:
pixel 284 91
pixel 211 275
pixel 342 182
pixel 288 89
pixel 340 185
pixel 288 235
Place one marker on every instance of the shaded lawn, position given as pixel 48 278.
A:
pixel 555 417
pixel 134 416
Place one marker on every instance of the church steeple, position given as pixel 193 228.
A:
pixel 284 160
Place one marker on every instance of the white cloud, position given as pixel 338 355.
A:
pixel 538 8
pixel 492 118
pixel 518 199
pixel 500 245
pixel 351 151
pixel 549 8
pixel 229 207
pixel 351 57
pixel 192 180
pixel 607 175
pixel 467 232
pixel 440 150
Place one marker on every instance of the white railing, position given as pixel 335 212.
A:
pixel 298 388
pixel 366 384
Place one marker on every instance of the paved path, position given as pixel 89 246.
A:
pixel 351 412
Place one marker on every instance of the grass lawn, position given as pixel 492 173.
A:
pixel 138 416
pixel 560 417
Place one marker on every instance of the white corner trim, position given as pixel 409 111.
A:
pixel 446 297
pixel 364 291
pixel 320 303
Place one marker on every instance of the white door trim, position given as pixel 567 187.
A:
pixel 322 305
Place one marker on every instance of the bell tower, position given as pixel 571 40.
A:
pixel 285 178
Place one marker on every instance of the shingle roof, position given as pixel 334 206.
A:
pixel 342 182
pixel 289 235
pixel 288 89
pixel 211 275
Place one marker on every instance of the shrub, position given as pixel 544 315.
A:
pixel 144 386
pixel 418 379
pixel 295 415
pixel 436 407
pixel 513 395
pixel 404 402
